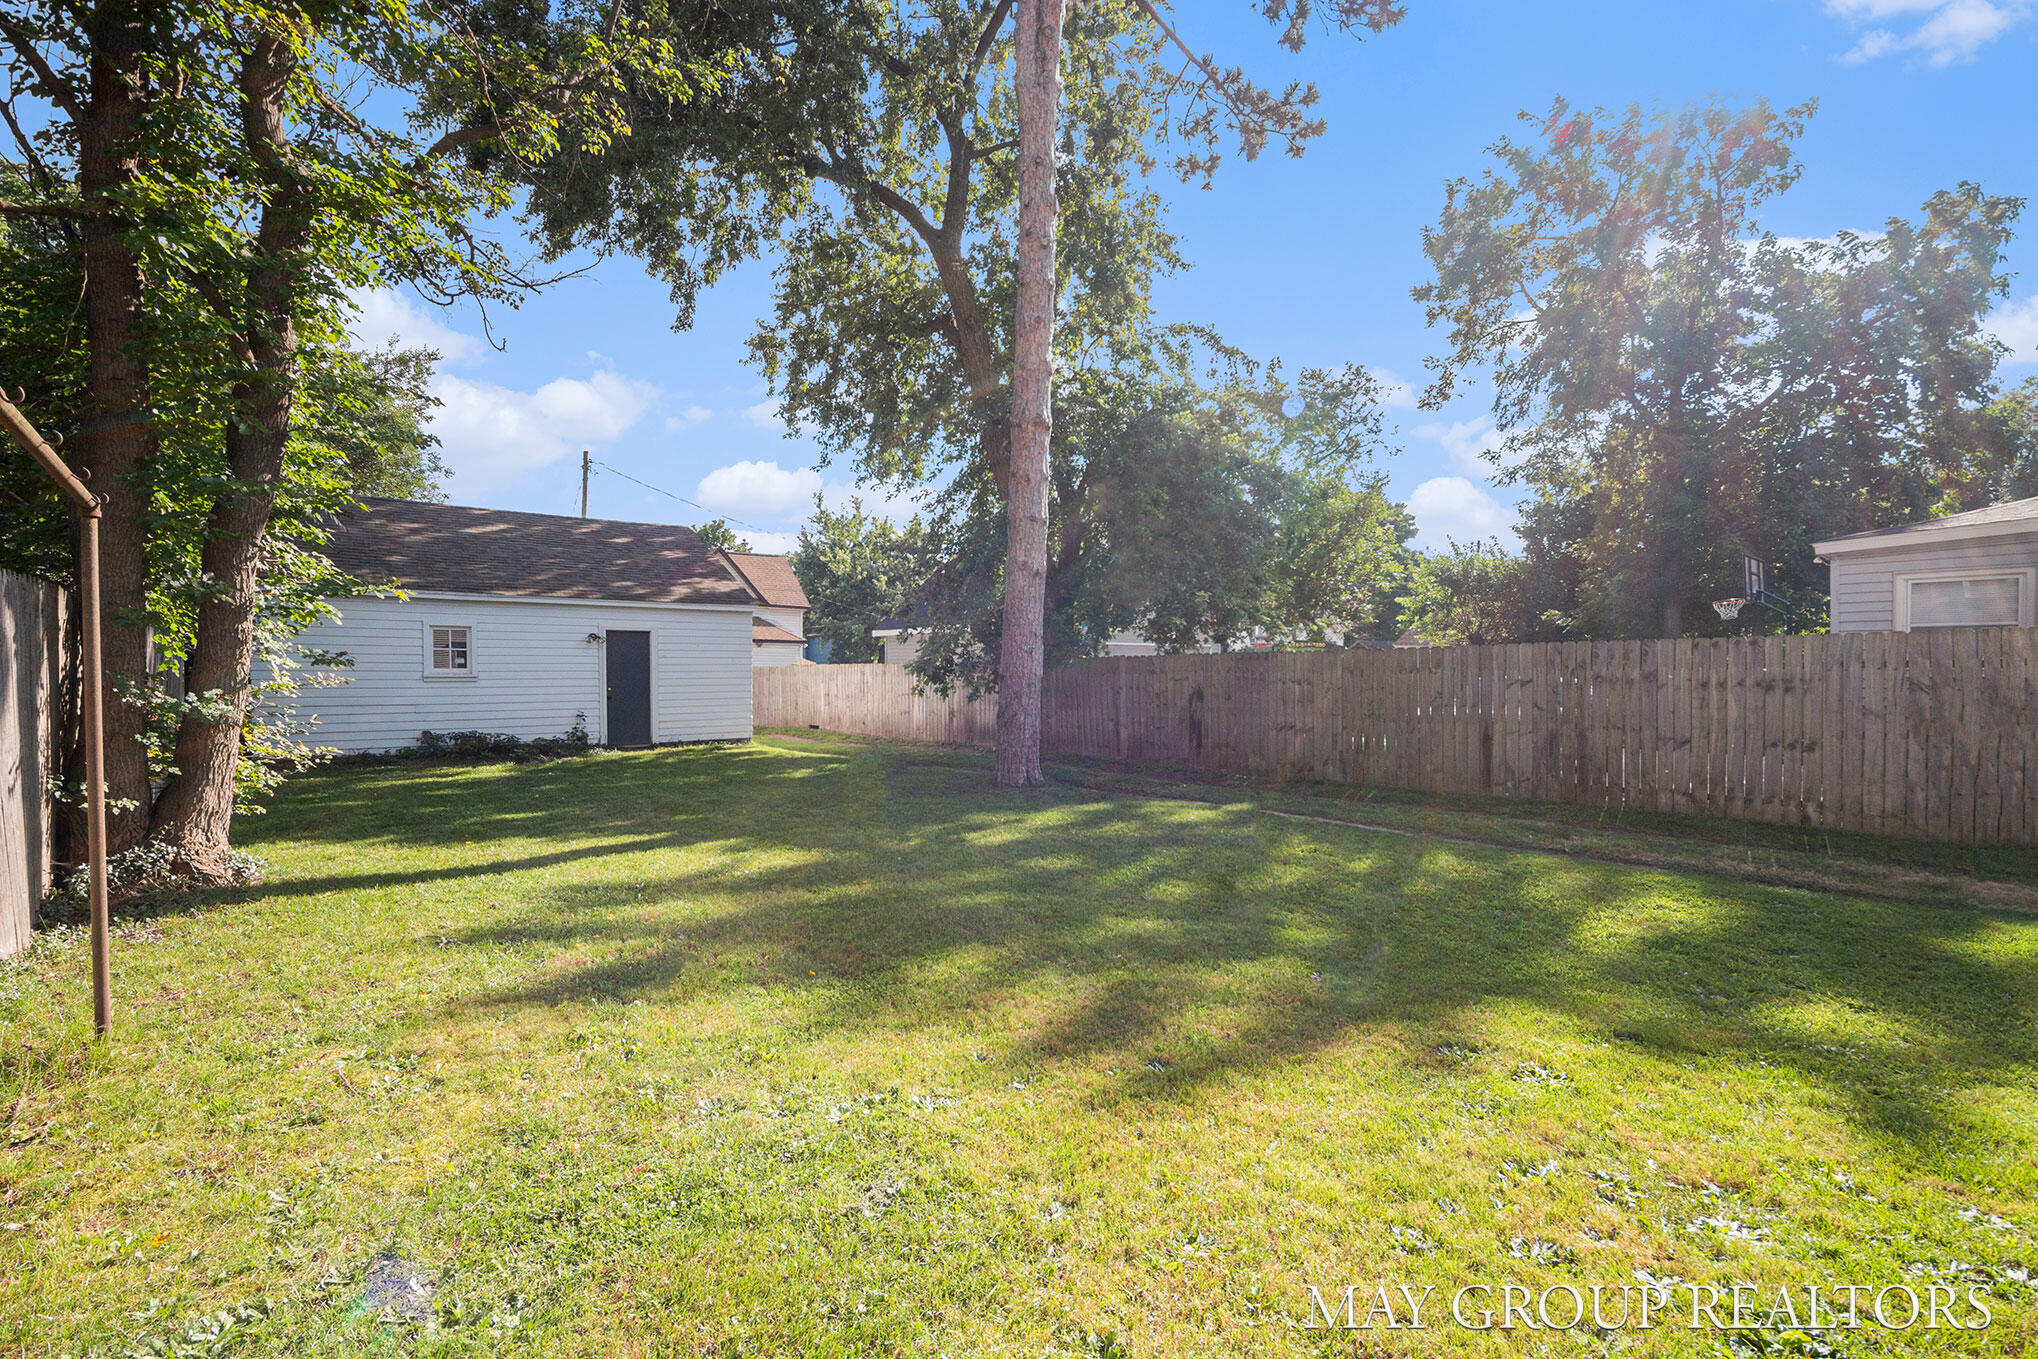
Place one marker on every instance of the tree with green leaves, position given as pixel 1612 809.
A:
pixel 875 148
pixel 1476 593
pixel 1681 387
pixel 716 533
pixel 1341 560
pixel 359 428
pixel 1210 516
pixel 223 177
pixel 858 570
pixel 2004 461
pixel 375 407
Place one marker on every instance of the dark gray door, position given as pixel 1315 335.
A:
pixel 629 688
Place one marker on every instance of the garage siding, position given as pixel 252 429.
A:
pixel 533 670
pixel 1864 583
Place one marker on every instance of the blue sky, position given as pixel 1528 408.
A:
pixel 1308 260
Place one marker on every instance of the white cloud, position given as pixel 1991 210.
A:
pixel 759 490
pixel 1941 31
pixel 493 435
pixel 764 415
pixel 765 492
pixel 2016 325
pixel 686 419
pixel 1467 441
pixel 384 313
pixel 1454 509
pixel 769 542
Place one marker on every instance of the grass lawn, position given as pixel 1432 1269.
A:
pixel 810 1049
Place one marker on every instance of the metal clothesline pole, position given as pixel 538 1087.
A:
pixel 91 698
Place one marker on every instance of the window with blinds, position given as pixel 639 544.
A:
pixel 1967 601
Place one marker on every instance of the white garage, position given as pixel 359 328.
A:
pixel 528 624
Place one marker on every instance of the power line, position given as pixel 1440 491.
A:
pixel 676 496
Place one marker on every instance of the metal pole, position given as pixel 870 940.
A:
pixel 92 697
pixel 95 777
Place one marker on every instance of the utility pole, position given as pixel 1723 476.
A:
pixel 586 471
pixel 91 700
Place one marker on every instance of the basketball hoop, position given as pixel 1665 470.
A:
pixel 1728 609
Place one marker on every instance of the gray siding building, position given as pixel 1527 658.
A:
pixel 1966 570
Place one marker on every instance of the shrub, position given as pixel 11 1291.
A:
pixel 497 745
pixel 150 869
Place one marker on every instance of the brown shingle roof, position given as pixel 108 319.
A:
pixel 463 550
pixel 773 579
pixel 761 631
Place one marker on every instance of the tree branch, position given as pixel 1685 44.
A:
pixel 59 90
pixel 50 187
pixel 73 208
pixel 461 136
pixel 986 40
pixel 851 176
pixel 955 202
pixel 1210 75
pixel 217 301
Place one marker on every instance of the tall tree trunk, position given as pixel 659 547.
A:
pixel 194 816
pixel 1037 79
pixel 116 443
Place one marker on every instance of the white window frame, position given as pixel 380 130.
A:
pixel 2027 593
pixel 433 673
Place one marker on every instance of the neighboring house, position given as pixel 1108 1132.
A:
pixel 1964 570
pixel 778 634
pixel 897 643
pixel 525 623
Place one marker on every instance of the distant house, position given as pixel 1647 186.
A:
pixel 525 623
pixel 1974 569
pixel 778 633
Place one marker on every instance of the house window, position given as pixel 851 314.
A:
pixel 452 651
pixel 1968 600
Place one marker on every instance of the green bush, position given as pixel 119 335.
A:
pixel 497 745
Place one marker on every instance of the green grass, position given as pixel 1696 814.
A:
pixel 829 1050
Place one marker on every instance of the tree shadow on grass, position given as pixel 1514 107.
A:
pixel 1187 941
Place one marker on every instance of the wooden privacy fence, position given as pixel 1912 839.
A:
pixel 31 683
pixel 1926 734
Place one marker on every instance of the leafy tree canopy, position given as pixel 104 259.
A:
pixel 858 570
pixel 359 429
pixel 717 533
pixel 222 175
pixel 1681 387
pixel 872 146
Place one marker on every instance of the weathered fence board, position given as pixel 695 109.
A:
pixel 31 675
pixel 1927 734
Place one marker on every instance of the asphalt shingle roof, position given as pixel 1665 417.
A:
pixel 761 631
pixel 460 549
pixel 2007 512
pixel 773 579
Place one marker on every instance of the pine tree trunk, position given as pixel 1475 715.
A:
pixel 1020 655
pixel 116 443
pixel 194 816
